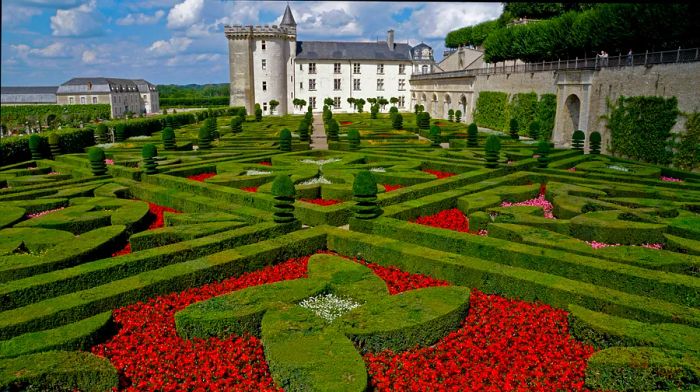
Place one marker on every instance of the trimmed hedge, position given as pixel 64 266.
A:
pixel 169 235
pixel 16 148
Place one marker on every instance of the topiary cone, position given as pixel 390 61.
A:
pixel 204 138
pixel 101 133
pixel 148 152
pixel 472 135
pixel 577 140
pixel 543 152
pixel 97 161
pixel 120 132
pixel 54 144
pixel 35 146
pixel 283 192
pixel 594 142
pixel 354 139
pixel 168 136
pixel 364 190
pixel 285 140
pixel 435 136
pixel 492 149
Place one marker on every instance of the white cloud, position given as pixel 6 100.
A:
pixel 53 51
pixel 81 21
pixel 451 16
pixel 185 14
pixel 13 15
pixel 170 47
pixel 141 19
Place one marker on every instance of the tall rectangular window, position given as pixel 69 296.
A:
pixel 356 68
pixel 264 86
pixel 301 67
pixel 380 84
pixel 312 102
pixel 312 84
pixel 71 100
pixel 301 85
pixel 402 102
pixel 264 64
pixel 380 69
pixel 402 69
pixel 402 84
pixel 263 45
pixel 264 106
pixel 336 84
pixel 336 102
pixel 312 68
pixel 94 99
pixel 336 68
pixel 356 84
pixel 82 100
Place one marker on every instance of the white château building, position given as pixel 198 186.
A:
pixel 135 96
pixel 268 63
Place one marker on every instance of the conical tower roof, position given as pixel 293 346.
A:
pixel 288 18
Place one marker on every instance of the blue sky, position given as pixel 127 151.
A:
pixel 46 42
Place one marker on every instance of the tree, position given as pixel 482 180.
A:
pixel 204 138
pixel 397 121
pixel 382 102
pixel 303 130
pixel 577 140
pixel 258 112
pixel 351 101
pixel 273 105
pixel 535 130
pixel 435 136
pixel 35 146
pixel 394 101
pixel 458 116
pixel 416 109
pixel 101 133
pixel 333 130
pixel 688 155
pixel 354 139
pixel 54 144
pixel 236 124
pixel 168 137
pixel 423 120
pixel 120 132
pixel 364 191
pixel 472 135
pixel 329 102
pixel 285 140
pixel 212 127
pixel 372 100
pixel 148 152
pixel 543 152
pixel 360 104
pixel 450 115
pixel 594 143
pixel 374 109
pixel 514 129
pixel 492 148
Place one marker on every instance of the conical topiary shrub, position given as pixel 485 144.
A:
pixel 397 121
pixel 303 130
pixel 169 122
pixel 535 130
pixel 451 115
pixel 258 112
pixel 212 127
pixel 514 129
pixel 423 120
pixel 120 132
pixel 169 142
pixel 577 140
pixel 54 141
pixel 333 130
pixel 236 124
pixel 97 161
pixel 148 152
pixel 35 146
pixel 492 147
pixel 594 142
pixel 285 140
pixel 204 138
pixel 364 190
pixel 472 135
pixel 283 192
pixel 101 133
pixel 354 139
pixel 458 116
pixel 543 152
pixel 435 136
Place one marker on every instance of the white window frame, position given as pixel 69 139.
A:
pixel 263 45
pixel 402 69
pixel 356 68
pixel 402 84
pixel 264 64
pixel 312 68
pixel 336 102
pixel 312 84
pixel 83 100
pixel 380 84
pixel 312 102
pixel 94 100
pixel 337 84
pixel 356 85
pixel 337 68
pixel 264 86
pixel 380 69
pixel 71 100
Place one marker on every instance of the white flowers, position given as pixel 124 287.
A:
pixel 378 170
pixel 106 145
pixel 142 137
pixel 320 162
pixel 195 148
pixel 253 172
pixel 618 168
pixel 328 306
pixel 316 181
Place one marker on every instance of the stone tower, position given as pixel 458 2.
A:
pixel 261 62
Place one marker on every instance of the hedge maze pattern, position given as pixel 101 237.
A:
pixel 617 246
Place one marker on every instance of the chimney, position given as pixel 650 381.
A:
pixel 390 39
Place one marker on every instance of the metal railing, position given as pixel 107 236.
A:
pixel 591 63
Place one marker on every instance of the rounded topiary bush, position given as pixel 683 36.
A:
pixel 364 190
pixel 543 152
pixel 96 156
pixel 423 120
pixel 514 129
pixel 333 130
pixel 212 127
pixel 101 133
pixel 54 144
pixel 577 140
pixel 451 115
pixel 283 191
pixel 397 121
pixel 354 139
pixel 35 146
pixel 285 140
pixel 435 136
pixel 303 130
pixel 120 132
pixel 492 148
pixel 236 124
pixel 472 135
pixel 535 130
pixel 393 110
pixel 258 112
pixel 204 138
pixel 458 116
pixel 169 142
pixel 148 152
pixel 594 141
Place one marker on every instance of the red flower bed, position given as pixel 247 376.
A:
pixel 250 189
pixel 158 211
pixel 439 174
pixel 345 122
pixel 452 219
pixel 124 251
pixel 265 163
pixel 201 177
pixel 390 187
pixel 503 345
pixel 321 202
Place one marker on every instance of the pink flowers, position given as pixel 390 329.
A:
pixel 42 213
pixel 571 169
pixel 321 202
pixel 598 245
pixel 109 162
pixel 670 179
pixel 539 201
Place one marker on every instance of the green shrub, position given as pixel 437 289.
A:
pixel 285 140
pixel 451 115
pixel 236 124
pixel 101 133
pixel 204 138
pixel 458 116
pixel 435 136
pixel 543 152
pixel 258 112
pixel 373 111
pixel 472 135
pixel 283 191
pixel 169 142
pixel 514 129
pixel 492 147
pixel 360 104
pixel 594 141
pixel 535 130
pixel 120 132
pixel 54 143
pixel 523 107
pixel 397 121
pixel 148 152
pixel 577 140
pixel 688 150
pixel 354 139
pixel 423 120
pixel 97 161
pixel 491 110
pixel 303 130
pixel 393 110
pixel 416 109
pixel 546 111
pixel 35 146
pixel 333 130
pixel 364 190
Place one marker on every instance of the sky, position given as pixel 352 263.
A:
pixel 47 42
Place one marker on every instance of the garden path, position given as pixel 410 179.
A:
pixel 318 137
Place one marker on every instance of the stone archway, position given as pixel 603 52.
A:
pixel 572 114
pixel 463 106
pixel 424 101
pixel 434 106
pixel 447 105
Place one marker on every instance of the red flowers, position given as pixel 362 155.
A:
pixel 265 163
pixel 158 211
pixel 439 174
pixel 201 177
pixel 124 251
pixel 390 187
pixel 321 202
pixel 452 219
pixel 503 345
pixel 250 189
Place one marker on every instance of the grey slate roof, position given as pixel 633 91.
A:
pixel 288 18
pixel 34 94
pixel 329 50
pixel 97 85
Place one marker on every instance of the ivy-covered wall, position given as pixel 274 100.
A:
pixel 494 109
pixel 490 110
pixel 640 127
